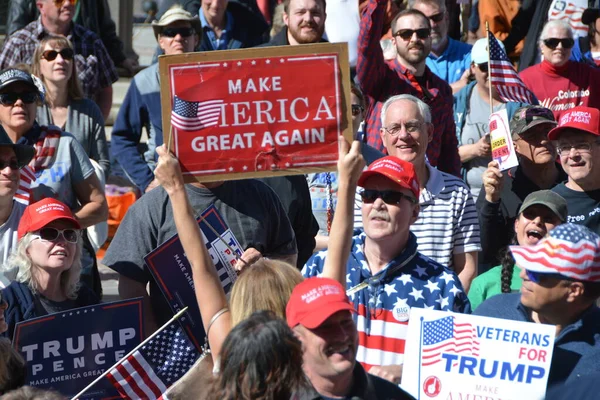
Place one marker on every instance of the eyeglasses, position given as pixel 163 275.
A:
pixel 357 109
pixel 13 164
pixel 172 32
pixel 564 150
pixel 59 3
pixel 552 43
pixel 538 277
pixel 50 55
pixel 437 17
pixel 51 234
pixel 483 67
pixel 9 99
pixel 388 196
pixel 411 127
pixel 407 34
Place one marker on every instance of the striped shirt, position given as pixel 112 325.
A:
pixel 383 308
pixel 447 222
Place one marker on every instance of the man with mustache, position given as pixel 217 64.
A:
pixel 407 74
pixel 386 275
pixel 449 59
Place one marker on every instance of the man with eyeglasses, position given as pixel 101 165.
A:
pixel 177 32
pixel 449 59
pixel 386 273
pixel 503 193
pixel 12 158
pixel 95 68
pixel 577 139
pixel 407 74
pixel 561 284
pixel 558 82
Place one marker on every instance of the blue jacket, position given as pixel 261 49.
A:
pixel 22 304
pixel 581 52
pixel 141 108
pixel 576 348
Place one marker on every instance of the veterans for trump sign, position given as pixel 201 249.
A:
pixel 458 357
pixel 66 351
pixel 256 112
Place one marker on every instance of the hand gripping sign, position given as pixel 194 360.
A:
pixel 256 112
pixel 459 356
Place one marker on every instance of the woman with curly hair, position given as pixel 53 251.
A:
pixel 48 259
pixel 540 212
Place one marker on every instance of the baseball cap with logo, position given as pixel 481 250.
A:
pixel 479 52
pixel 400 171
pixel 570 250
pixel 585 119
pixel 40 214
pixel 549 199
pixel 529 116
pixel 314 300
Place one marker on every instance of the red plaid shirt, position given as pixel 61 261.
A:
pixel 380 80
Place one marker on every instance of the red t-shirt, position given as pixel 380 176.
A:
pixel 562 88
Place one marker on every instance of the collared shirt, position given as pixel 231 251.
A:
pixel 380 80
pixel 383 307
pixel 453 62
pixel 218 43
pixel 447 222
pixel 95 68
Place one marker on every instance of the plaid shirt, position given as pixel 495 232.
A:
pixel 95 68
pixel 380 80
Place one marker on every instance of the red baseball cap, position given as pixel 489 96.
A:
pixel 395 169
pixel 582 118
pixel 314 300
pixel 40 214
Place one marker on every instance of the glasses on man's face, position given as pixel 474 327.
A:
pixel 483 67
pixel 9 99
pixel 59 3
pixel 539 277
pixel 552 43
pixel 356 109
pixel 52 234
pixel 388 196
pixel 437 17
pixel 172 32
pixel 13 164
pixel 50 55
pixel 410 127
pixel 407 34
pixel 564 149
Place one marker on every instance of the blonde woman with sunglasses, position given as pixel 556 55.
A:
pixel 48 258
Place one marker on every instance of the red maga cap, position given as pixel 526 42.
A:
pixel 582 118
pixel 314 300
pixel 395 169
pixel 40 214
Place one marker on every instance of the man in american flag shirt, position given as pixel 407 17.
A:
pixel 386 275
pixel 561 284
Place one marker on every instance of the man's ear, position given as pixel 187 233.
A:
pixel 415 213
pixel 429 132
pixel 286 19
pixel 576 291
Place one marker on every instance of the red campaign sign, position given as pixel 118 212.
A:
pixel 256 114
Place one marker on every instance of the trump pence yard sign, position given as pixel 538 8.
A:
pixel 256 112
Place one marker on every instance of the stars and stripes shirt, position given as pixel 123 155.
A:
pixel 379 81
pixel 95 68
pixel 383 307
pixel 447 223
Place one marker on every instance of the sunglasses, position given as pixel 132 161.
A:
pixel 9 99
pixel 50 55
pixel 59 3
pixel 437 17
pixel 172 32
pixel 552 43
pixel 407 34
pixel 13 164
pixel 538 277
pixel 52 234
pixel 483 67
pixel 357 109
pixel 388 196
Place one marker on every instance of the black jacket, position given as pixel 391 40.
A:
pixel 281 39
pixel 94 15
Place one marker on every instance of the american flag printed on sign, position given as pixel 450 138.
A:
pixel 445 336
pixel 196 115
pixel 152 369
pixel 504 77
pixel 26 178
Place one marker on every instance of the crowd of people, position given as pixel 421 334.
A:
pixel 418 214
